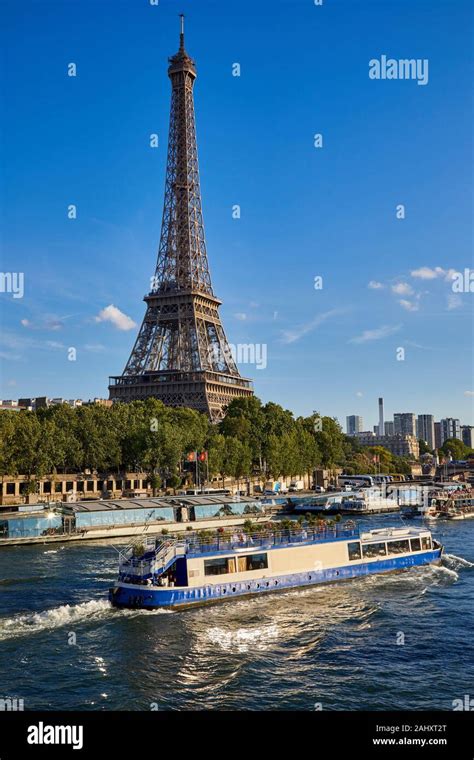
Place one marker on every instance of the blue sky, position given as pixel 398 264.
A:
pixel 305 212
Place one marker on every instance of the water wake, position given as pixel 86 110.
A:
pixel 443 571
pixel 243 639
pixel 34 622
pixel 454 562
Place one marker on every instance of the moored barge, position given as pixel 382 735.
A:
pixel 187 571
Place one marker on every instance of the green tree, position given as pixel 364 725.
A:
pixel 330 441
pixel 456 448
pixel 424 448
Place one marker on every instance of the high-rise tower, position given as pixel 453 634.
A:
pixel 181 354
pixel 381 425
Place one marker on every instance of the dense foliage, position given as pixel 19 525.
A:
pixel 455 449
pixel 146 436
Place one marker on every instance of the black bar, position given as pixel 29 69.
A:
pixel 315 734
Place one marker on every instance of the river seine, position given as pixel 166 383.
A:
pixel 389 642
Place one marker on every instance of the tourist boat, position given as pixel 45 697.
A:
pixel 425 512
pixel 184 572
pixel 370 501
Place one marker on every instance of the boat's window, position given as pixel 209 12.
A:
pixel 415 544
pixel 215 566
pixel 255 561
pixel 398 547
pixel 426 542
pixel 374 550
pixel 354 550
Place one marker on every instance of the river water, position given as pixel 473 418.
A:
pixel 400 641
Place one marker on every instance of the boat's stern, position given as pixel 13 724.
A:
pixel 134 596
pixel 438 550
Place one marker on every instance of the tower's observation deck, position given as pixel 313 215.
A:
pixel 181 354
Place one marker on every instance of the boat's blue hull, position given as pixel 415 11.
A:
pixel 150 597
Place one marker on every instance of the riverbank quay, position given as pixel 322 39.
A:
pixel 85 521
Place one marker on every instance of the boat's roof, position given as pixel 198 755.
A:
pixel 383 534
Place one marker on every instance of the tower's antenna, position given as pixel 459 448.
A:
pixel 181 36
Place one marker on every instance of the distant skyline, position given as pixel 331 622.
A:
pixel 332 344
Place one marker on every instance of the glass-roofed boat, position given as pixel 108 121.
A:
pixel 188 570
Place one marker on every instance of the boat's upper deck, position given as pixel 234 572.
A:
pixel 239 540
pixel 274 539
pixel 383 534
pixel 156 555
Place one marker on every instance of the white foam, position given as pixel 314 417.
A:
pixel 96 609
pixel 453 560
pixel 442 569
pixel 243 639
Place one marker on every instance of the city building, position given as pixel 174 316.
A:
pixel 399 445
pixel 426 430
pixel 450 428
pixel 404 423
pixel 467 434
pixel 354 424
pixel 389 428
pixel 381 429
pixel 437 435
pixel 43 402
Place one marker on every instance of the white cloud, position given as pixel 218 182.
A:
pixel 359 394
pixel 469 393
pixel 112 314
pixel 408 305
pixel 376 334
pixel 241 316
pixel 427 273
pixel 374 285
pixel 8 356
pixel 291 336
pixel 94 347
pixel 453 301
pixel 432 273
pixel 402 289
pixel 50 322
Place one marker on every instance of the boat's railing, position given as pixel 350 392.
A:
pixel 267 540
pixel 154 559
pixel 158 555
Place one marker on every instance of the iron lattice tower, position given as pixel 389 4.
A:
pixel 181 354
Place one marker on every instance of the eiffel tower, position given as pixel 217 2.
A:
pixel 181 354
